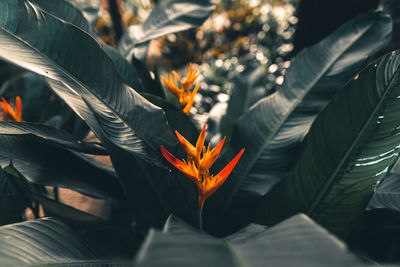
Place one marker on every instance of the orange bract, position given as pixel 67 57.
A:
pixel 15 116
pixel 199 161
pixel 185 96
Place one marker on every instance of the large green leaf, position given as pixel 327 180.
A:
pixel 45 242
pixel 167 17
pixel 65 10
pixel 295 242
pixel 348 150
pixel 73 61
pixel 44 163
pixel 51 135
pixel 273 128
pixel 80 72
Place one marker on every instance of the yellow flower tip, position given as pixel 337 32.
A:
pixel 9 112
pixel 200 160
pixel 200 140
pixel 185 96
pixel 186 145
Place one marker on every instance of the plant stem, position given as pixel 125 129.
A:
pixel 200 217
pixel 116 19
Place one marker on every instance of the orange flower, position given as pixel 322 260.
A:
pixel 199 160
pixel 185 96
pixel 15 116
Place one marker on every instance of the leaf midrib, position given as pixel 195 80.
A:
pixel 327 185
pixel 72 77
pixel 276 129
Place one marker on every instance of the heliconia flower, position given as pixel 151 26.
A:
pixel 199 161
pixel 8 111
pixel 185 96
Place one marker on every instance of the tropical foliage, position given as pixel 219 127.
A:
pixel 301 169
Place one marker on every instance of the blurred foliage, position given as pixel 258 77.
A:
pixel 240 34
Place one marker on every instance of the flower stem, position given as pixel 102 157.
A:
pixel 200 217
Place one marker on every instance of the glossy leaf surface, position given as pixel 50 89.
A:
pixel 296 242
pixel 49 164
pixel 342 162
pixel 168 17
pixel 68 66
pixel 387 194
pixel 273 128
pixel 44 241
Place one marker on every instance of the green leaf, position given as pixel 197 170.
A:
pixel 273 128
pixel 45 241
pixel 150 85
pixel 376 236
pixel 247 89
pixel 127 71
pixel 295 242
pixel 75 66
pixel 115 242
pixel 80 72
pixel 168 17
pixel 342 162
pixel 66 11
pixel 176 118
pixel 50 135
pixel 44 163
pixel 387 194
pixel 14 198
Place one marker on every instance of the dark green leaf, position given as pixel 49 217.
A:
pixel 342 162
pixel 66 11
pixel 14 198
pixel 80 72
pixel 153 193
pixel 387 194
pixel 44 241
pixel 167 17
pixel 116 242
pixel 48 164
pixel 377 236
pixel 295 242
pixel 150 85
pixel 176 118
pixel 50 135
pixel 273 128
pixel 247 89
pixel 127 71
pixel 75 66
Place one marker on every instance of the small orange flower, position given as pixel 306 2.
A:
pixel 199 161
pixel 15 116
pixel 185 96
